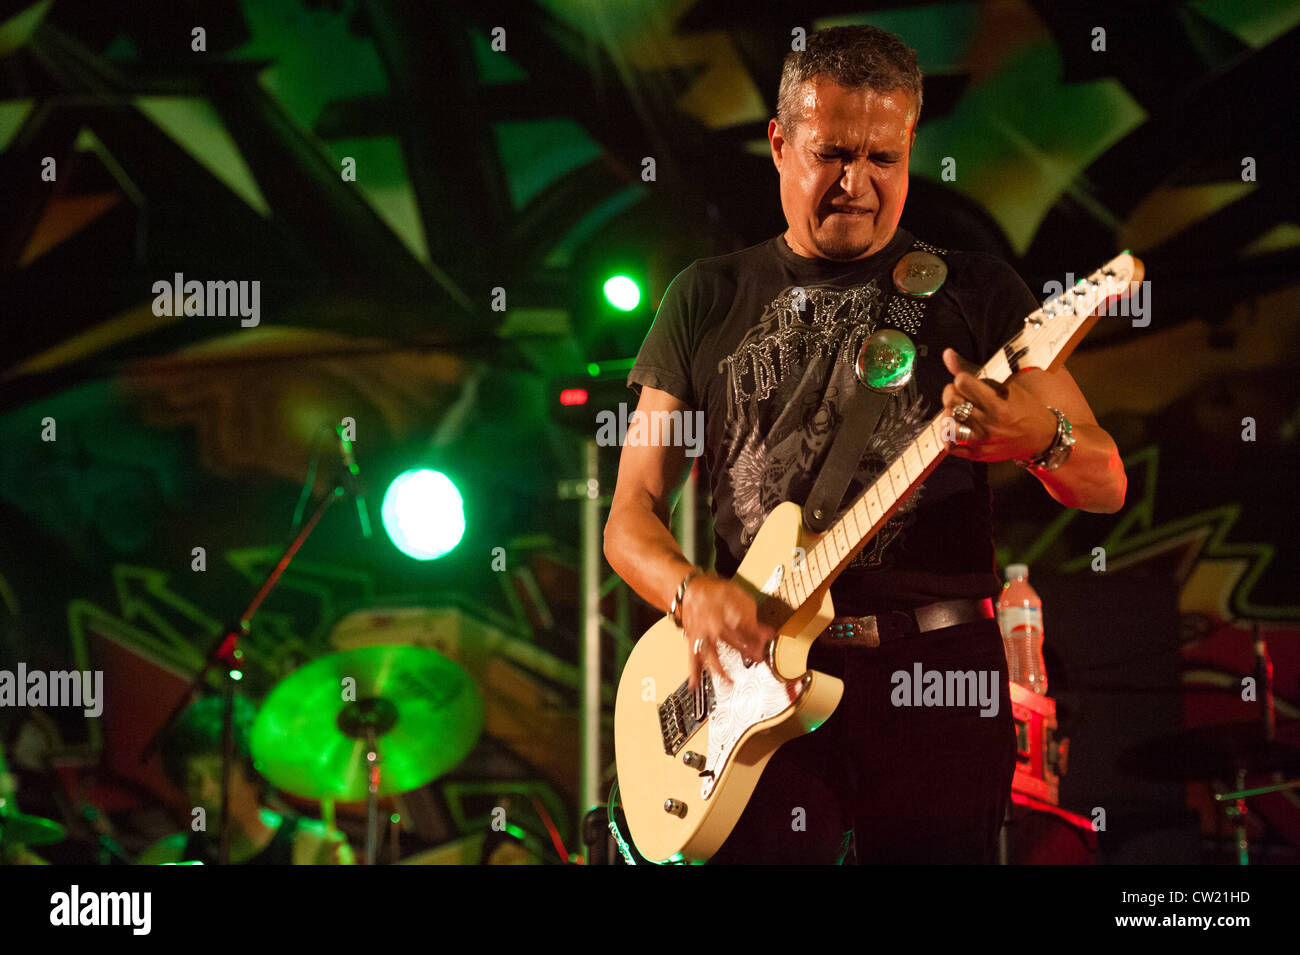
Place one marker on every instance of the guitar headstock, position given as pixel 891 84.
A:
pixel 1052 331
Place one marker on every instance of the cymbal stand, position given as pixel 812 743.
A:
pixel 372 795
pixel 367 720
pixel 1237 812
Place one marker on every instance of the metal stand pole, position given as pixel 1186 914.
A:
pixel 1238 812
pixel 685 517
pixel 372 796
pixel 227 762
pixel 591 557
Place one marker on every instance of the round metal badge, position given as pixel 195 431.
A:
pixel 920 274
pixel 886 360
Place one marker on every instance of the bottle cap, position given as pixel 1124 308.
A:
pixel 1017 571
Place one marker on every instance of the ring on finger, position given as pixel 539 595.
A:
pixel 699 645
pixel 963 434
pixel 963 411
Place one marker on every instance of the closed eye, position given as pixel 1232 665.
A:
pixel 883 160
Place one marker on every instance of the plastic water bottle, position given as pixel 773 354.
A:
pixel 1020 616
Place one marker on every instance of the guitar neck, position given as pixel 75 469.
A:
pixel 1047 338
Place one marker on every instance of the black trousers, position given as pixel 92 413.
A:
pixel 880 783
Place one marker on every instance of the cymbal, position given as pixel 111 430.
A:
pixel 1211 752
pixel 29 830
pixel 310 736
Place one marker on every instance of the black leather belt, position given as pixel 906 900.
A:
pixel 893 625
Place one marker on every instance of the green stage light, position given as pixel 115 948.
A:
pixel 623 293
pixel 423 514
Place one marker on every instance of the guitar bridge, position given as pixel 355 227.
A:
pixel 684 712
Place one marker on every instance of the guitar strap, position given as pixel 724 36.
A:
pixel 860 420
pixel 861 416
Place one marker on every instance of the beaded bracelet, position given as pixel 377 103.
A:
pixel 1057 451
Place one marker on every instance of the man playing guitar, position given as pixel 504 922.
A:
pixel 763 341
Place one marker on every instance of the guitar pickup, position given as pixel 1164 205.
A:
pixel 684 712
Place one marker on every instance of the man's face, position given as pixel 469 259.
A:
pixel 844 169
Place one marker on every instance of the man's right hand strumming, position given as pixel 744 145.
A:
pixel 716 609
pixel 642 550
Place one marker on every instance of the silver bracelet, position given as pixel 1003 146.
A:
pixel 1058 451
pixel 675 608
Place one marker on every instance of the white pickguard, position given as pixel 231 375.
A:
pixel 754 695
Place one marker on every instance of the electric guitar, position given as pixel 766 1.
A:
pixel 688 761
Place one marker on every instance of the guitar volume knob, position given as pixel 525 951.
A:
pixel 693 759
pixel 675 807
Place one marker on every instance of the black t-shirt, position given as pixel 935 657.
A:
pixel 772 380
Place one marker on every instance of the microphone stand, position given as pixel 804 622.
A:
pixel 225 650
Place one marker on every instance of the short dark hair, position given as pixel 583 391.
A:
pixel 855 57
pixel 198 733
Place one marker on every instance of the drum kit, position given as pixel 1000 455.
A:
pixel 1221 753
pixel 365 724
pixel 1226 753
pixel 361 724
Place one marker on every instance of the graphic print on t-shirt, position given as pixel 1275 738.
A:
pixel 788 381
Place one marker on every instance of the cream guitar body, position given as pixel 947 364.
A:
pixel 672 806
